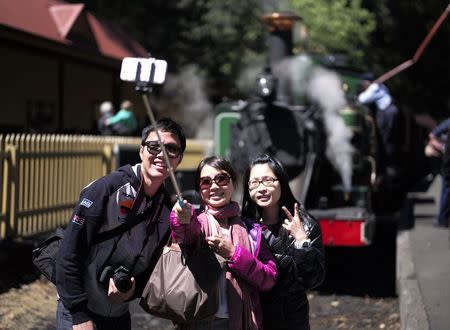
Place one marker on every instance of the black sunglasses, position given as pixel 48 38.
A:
pixel 153 147
pixel 220 179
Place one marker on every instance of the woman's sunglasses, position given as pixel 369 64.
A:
pixel 220 179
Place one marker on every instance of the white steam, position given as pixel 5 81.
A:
pixel 301 82
pixel 183 98
pixel 325 90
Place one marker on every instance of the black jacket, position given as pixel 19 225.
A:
pixel 445 171
pixel 286 305
pixel 104 205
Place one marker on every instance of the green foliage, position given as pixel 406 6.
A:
pixel 224 37
pixel 228 36
pixel 220 37
pixel 338 26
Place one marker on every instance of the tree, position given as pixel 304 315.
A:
pixel 227 37
pixel 224 37
pixel 219 37
pixel 338 26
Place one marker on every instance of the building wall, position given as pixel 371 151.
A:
pixel 85 87
pixel 42 91
pixel 28 89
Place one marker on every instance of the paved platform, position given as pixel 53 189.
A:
pixel 423 267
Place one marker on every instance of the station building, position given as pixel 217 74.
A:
pixel 58 62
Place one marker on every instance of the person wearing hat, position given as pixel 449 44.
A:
pixel 386 114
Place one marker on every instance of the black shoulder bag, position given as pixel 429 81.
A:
pixel 44 256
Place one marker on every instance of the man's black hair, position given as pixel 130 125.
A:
pixel 166 125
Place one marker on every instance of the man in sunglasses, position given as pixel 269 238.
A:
pixel 115 236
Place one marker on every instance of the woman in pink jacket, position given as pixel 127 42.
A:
pixel 250 267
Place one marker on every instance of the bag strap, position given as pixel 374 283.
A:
pixel 155 209
pixel 156 212
pixel 131 220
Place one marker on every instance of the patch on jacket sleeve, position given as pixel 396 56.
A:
pixel 86 203
pixel 78 220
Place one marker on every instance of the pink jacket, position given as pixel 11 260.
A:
pixel 258 270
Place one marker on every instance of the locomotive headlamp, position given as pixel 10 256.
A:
pixel 266 85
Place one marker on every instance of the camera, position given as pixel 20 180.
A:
pixel 121 277
pixel 144 70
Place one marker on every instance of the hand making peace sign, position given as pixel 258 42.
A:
pixel 294 224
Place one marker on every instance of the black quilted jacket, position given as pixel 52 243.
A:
pixel 286 305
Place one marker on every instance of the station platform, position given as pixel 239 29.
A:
pixel 423 265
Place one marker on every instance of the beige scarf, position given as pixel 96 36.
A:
pixel 240 307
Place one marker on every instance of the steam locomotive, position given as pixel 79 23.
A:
pixel 303 113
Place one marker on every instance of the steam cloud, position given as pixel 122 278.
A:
pixel 183 98
pixel 325 89
pixel 300 81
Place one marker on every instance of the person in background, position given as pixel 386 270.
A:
pixel 250 268
pixel 106 111
pixel 436 147
pixel 387 122
pixel 295 241
pixel 86 299
pixel 124 121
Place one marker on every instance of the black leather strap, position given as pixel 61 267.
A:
pixel 132 218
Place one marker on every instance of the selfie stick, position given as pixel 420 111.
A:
pixel 143 88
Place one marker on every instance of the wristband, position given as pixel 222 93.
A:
pixel 302 244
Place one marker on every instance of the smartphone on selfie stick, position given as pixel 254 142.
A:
pixel 146 72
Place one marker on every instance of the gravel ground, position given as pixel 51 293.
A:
pixel 365 299
pixel 329 312
pixel 32 306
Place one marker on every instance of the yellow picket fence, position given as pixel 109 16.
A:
pixel 42 175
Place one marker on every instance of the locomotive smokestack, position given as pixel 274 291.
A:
pixel 280 27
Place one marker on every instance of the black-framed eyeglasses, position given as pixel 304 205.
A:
pixel 153 147
pixel 266 181
pixel 220 179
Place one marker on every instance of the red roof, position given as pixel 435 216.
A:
pixel 69 24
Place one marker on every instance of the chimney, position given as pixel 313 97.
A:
pixel 280 26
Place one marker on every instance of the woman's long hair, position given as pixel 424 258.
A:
pixel 251 210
